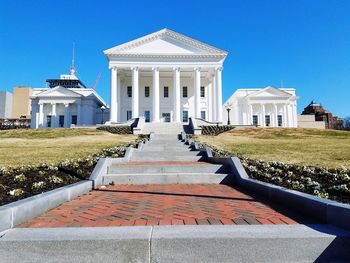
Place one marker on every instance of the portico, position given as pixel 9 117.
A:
pixel 165 77
pixel 60 107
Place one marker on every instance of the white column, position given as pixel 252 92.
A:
pixel 213 98
pixel 135 92
pixel 155 93
pixel 289 115
pixel 210 103
pixel 41 115
pixel 66 116
pixel 276 114
pixel 285 121
pixel 119 88
pixel 295 115
pixel 114 105
pixel 176 87
pixel 197 91
pixel 53 116
pixel 218 73
pixel 78 113
pixel 250 114
pixel 263 124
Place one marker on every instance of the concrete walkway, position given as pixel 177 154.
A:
pixel 168 205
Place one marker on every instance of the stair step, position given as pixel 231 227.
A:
pixel 169 153
pixel 166 157
pixel 165 178
pixel 182 167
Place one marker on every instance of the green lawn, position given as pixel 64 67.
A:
pixel 31 147
pixel 322 148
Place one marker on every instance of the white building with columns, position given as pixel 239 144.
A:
pixel 165 77
pixel 267 107
pixel 63 107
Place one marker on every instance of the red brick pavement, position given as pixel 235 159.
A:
pixel 140 205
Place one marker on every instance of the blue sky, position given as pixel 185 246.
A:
pixel 305 44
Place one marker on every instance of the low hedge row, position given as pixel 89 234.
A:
pixel 327 183
pixel 21 182
pixel 117 129
pixel 215 130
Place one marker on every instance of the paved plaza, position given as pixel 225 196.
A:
pixel 175 204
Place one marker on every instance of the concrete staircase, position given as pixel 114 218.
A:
pixel 165 160
pixel 162 128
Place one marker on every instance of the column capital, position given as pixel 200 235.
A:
pixel 113 67
pixel 219 68
pixel 135 68
pixel 155 68
pixel 197 68
pixel 66 105
pixel 176 68
pixel 40 103
pixel 53 103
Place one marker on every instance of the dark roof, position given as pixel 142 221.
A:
pixel 67 83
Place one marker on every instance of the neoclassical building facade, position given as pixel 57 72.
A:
pixel 165 77
pixel 266 107
pixel 69 103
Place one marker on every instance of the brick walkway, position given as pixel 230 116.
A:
pixel 131 205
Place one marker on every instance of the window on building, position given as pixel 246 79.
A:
pixel 184 92
pixel 202 92
pixel 146 92
pixel 267 120
pixel 128 114
pixel 203 114
pixel 61 121
pixel 147 116
pixel 129 91
pixel 166 92
pixel 255 120
pixel 279 117
pixel 48 121
pixel 185 116
pixel 74 119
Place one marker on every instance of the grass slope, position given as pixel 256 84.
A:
pixel 320 148
pixel 32 147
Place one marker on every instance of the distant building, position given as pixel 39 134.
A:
pixel 309 122
pixel 66 102
pixel 21 104
pixel 264 107
pixel 331 122
pixel 5 104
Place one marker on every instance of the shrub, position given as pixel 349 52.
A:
pixel 117 129
pixel 215 130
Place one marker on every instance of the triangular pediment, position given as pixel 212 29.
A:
pixel 165 42
pixel 270 92
pixel 59 91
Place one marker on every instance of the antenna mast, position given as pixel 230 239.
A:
pixel 72 67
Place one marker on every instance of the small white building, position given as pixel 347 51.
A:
pixel 5 104
pixel 267 107
pixel 64 106
pixel 165 76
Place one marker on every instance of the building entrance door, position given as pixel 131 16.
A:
pixel 166 116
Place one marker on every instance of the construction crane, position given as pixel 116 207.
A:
pixel 97 80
